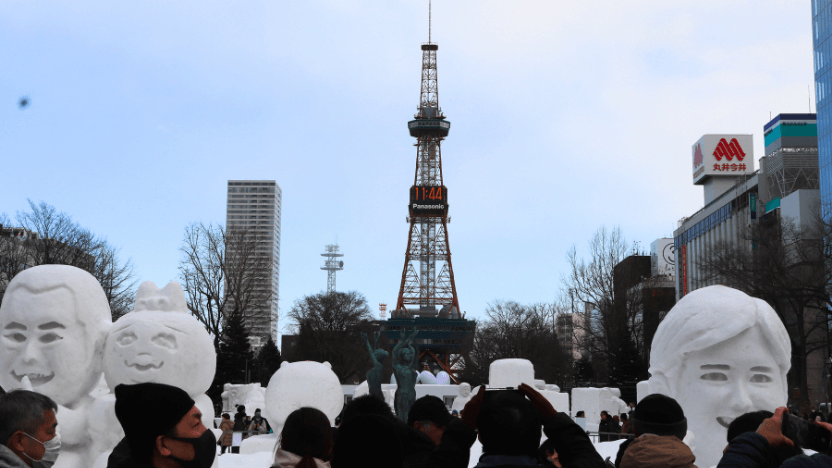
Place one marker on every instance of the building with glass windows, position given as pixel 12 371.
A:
pixel 255 206
pixel 821 31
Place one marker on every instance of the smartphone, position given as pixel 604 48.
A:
pixel 806 433
pixel 491 393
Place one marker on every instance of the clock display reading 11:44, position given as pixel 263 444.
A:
pixel 424 194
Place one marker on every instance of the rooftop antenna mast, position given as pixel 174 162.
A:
pixel 332 265
pixel 429 19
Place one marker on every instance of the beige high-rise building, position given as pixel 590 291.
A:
pixel 255 205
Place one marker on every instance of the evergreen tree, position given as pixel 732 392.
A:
pixel 627 368
pixel 268 362
pixel 584 372
pixel 236 350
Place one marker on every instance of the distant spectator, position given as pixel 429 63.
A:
pixel 659 425
pixel 305 441
pixel 626 426
pixel 616 427
pixel 227 428
pixel 28 430
pixel 605 427
pixel 259 424
pixel 580 414
pixel 430 416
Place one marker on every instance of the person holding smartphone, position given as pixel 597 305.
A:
pixel 508 424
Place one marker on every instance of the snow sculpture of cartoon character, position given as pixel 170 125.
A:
pixel 54 320
pixel 159 341
pixel 293 386
pixel 720 353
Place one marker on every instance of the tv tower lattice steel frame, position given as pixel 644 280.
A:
pixel 427 244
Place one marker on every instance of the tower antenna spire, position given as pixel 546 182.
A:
pixel 429 20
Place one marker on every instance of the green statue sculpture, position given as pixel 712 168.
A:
pixel 374 375
pixel 403 359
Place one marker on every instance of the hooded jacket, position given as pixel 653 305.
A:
pixel 8 459
pixel 653 451
pixel 227 427
pixel 284 459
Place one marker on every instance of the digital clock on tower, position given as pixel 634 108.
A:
pixel 428 200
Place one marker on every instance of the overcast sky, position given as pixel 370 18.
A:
pixel 566 116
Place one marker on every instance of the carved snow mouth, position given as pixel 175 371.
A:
pixel 35 378
pixel 724 421
pixel 144 367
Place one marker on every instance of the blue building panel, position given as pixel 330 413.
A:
pixel 821 30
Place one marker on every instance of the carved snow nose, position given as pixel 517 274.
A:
pixel 31 354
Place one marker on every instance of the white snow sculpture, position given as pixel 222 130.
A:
pixel 510 373
pixel 642 390
pixel 720 353
pixel 559 401
pixel 426 378
pixel 553 387
pixel 464 397
pixel 592 401
pixel 539 384
pixel 54 320
pixel 160 341
pixel 442 378
pixel 246 395
pixel 295 385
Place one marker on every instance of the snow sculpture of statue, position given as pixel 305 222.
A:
pixel 464 396
pixel 374 375
pixel 720 353
pixel 54 320
pixel 403 359
pixel 226 397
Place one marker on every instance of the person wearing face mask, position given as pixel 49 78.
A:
pixel 28 430
pixel 259 424
pixel 162 427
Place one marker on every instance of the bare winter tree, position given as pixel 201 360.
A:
pixel 223 274
pixel 328 326
pixel 514 330
pixel 51 237
pixel 788 266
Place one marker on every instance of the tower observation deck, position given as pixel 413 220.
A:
pixel 427 296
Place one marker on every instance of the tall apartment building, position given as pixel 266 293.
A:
pixel 821 32
pixel 255 206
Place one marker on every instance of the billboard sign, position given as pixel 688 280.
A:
pixel 663 257
pixel 722 155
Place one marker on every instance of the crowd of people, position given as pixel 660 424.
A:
pixel 163 428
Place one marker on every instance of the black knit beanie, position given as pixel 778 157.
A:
pixel 661 415
pixel 148 410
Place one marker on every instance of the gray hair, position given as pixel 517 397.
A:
pixel 22 410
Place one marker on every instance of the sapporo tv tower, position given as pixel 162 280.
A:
pixel 422 288
pixel 427 295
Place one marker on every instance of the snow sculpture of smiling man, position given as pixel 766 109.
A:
pixel 160 341
pixel 54 320
pixel 720 353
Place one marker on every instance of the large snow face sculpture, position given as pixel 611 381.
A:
pixel 304 383
pixel 160 342
pixel 54 320
pixel 720 353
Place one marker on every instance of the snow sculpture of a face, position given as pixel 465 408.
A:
pixel 303 383
pixel 464 390
pixel 720 354
pixel 159 341
pixel 54 320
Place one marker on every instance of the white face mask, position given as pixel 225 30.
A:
pixel 52 450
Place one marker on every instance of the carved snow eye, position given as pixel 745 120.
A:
pixel 165 340
pixel 761 378
pixel 126 339
pixel 50 338
pixel 715 377
pixel 16 337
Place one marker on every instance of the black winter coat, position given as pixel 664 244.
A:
pixel 123 458
pixel 570 441
pixel 752 450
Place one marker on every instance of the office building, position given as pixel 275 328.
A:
pixel 255 206
pixel 821 31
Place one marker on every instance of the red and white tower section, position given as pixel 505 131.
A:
pixel 427 286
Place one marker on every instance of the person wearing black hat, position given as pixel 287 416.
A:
pixel 659 425
pixel 509 427
pixel 429 415
pixel 162 428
